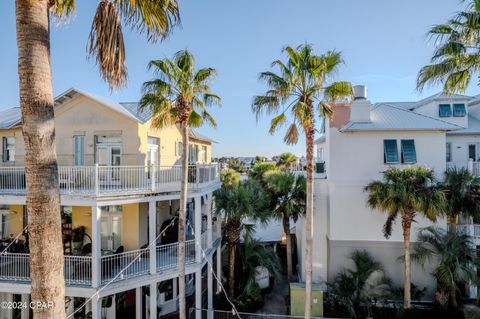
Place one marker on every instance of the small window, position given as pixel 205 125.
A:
pixel 204 153
pixel 178 148
pixel 472 152
pixel 444 110
pixel 390 155
pixel 79 150
pixel 409 156
pixel 8 149
pixel 449 152
pixel 196 153
pixel 459 110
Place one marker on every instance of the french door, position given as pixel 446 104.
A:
pixel 109 161
pixel 111 227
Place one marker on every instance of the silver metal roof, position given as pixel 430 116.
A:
pixel 10 118
pixel 473 127
pixel 387 117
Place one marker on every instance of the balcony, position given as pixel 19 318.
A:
pixel 98 181
pixel 472 230
pixel 319 170
pixel 14 267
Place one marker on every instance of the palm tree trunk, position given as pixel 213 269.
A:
pixel 407 225
pixel 453 222
pixel 41 171
pixel 310 135
pixel 181 224
pixel 231 268
pixel 286 229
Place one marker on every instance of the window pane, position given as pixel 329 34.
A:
pixel 472 152
pixel 390 151
pixel 444 110
pixel 409 155
pixel 459 110
pixel 79 149
pixel 449 152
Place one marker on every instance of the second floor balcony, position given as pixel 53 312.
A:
pixel 97 181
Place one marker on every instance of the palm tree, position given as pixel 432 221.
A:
pixel 155 18
pixel 230 177
pixel 301 86
pixel 178 96
pixel 406 192
pixel 462 191
pixel 258 171
pixel 453 255
pixel 288 202
pixel 245 201
pixel 457 57
pixel 254 254
pixel 355 287
pixel 286 161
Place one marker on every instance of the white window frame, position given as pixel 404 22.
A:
pixel 8 149
pixel 204 153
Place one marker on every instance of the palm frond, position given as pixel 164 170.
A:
pixel 291 136
pixel 338 90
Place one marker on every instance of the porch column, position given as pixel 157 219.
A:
pixel 209 221
pixel 152 234
pixel 210 288
pixel 25 312
pixel 219 268
pixel 96 307
pixel 198 293
pixel 96 246
pixel 198 229
pixel 138 302
pixel 153 301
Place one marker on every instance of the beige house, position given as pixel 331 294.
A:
pixel 119 182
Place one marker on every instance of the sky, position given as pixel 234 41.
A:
pixel 383 43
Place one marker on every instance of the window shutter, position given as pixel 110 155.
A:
pixel 4 150
pixel 444 110
pixel 409 156
pixel 390 151
pixel 79 150
pixel 459 110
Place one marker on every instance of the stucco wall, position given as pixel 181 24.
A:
pixel 460 148
pixel 431 109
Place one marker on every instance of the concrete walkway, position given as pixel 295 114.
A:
pixel 275 300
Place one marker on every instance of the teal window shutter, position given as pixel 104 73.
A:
pixel 409 156
pixel 459 110
pixel 444 110
pixel 390 150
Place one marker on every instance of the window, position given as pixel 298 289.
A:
pixel 449 152
pixel 409 155
pixel 178 148
pixel 8 149
pixel 204 153
pixel 459 110
pixel 444 110
pixel 390 152
pixel 472 152
pixel 79 150
pixel 197 151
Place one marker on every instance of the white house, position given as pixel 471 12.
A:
pixel 356 146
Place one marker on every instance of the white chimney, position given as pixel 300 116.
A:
pixel 360 108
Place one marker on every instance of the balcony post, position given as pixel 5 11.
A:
pixel 96 181
pixel 138 302
pixel 210 288
pixel 24 313
pixel 96 247
pixel 153 301
pixel 209 221
pixel 198 294
pixel 198 228
pixel 219 268
pixel 152 235
pixel 197 168
pixel 96 307
pixel 470 166
pixel 153 177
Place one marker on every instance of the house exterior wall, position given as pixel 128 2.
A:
pixel 459 148
pixel 84 116
pixel 431 109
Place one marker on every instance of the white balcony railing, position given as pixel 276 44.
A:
pixel 472 230
pixel 78 269
pixel 111 180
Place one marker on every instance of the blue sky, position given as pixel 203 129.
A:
pixel 384 45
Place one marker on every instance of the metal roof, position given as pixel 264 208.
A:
pixel 442 96
pixel 387 117
pixel 12 117
pixel 473 127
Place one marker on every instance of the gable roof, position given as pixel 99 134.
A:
pixel 442 96
pixel 387 117
pixel 12 117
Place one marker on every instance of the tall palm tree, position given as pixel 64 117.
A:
pixel 245 201
pixel 457 57
pixel 179 96
pixel 288 202
pixel 406 193
pixel 155 18
pixel 302 85
pixel 454 256
pixel 286 161
pixel 462 191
